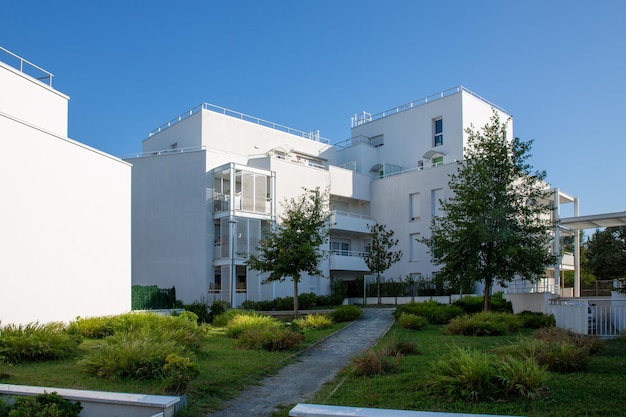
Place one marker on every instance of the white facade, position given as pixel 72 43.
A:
pixel 65 212
pixel 393 170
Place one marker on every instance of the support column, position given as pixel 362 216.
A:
pixel 576 254
pixel 557 244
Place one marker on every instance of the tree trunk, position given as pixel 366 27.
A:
pixel 486 293
pixel 295 298
pixel 378 287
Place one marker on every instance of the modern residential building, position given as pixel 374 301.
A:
pixel 210 182
pixel 65 212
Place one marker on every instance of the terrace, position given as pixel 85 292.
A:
pixel 25 66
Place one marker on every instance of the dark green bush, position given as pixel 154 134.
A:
pixel 201 309
pixel 37 342
pixel 148 297
pixel 483 324
pixel 534 320
pixel 42 405
pixel 556 334
pixel 474 304
pixel 562 357
pixel 345 313
pixel 432 311
pixel 412 322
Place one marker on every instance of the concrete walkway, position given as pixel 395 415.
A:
pixel 299 381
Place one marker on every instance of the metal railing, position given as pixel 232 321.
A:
pixel 361 119
pixel 545 285
pixel 339 252
pixel 164 152
pixel 313 135
pixel 348 214
pixel 28 67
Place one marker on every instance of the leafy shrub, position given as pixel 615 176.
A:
pixel 200 309
pixel 217 308
pixel 36 342
pixel 474 304
pixel 269 338
pixel 178 372
pixel 314 321
pixel 434 312
pixel 42 405
pixel 466 374
pixel 370 363
pixel 5 369
pixel 483 324
pixel 534 320
pixel 240 323
pixel 346 313
pixel 412 322
pixel 306 301
pixel 138 354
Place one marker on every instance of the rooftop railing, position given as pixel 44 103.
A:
pixel 360 119
pixel 26 67
pixel 164 152
pixel 314 135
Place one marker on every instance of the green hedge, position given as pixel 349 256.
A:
pixel 149 297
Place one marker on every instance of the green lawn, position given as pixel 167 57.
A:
pixel 599 391
pixel 225 371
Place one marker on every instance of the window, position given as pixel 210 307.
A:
pixel 414 246
pixel 420 164
pixel 438 129
pixel 436 196
pixel 414 209
pixel 340 248
pixel 437 161
pixel 377 141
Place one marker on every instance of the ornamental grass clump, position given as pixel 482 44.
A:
pixel 483 324
pixel 136 354
pixel 313 321
pixel 371 363
pixel 270 338
pixel 412 322
pixel 37 342
pixel 469 375
pixel 345 313
pixel 240 323
pixel 399 348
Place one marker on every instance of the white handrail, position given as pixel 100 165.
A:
pixel 46 74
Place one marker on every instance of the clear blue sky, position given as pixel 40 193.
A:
pixel 557 66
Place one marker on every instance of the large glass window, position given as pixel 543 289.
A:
pixel 438 129
pixel 340 247
pixel 438 161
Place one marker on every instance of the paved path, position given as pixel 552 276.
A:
pixel 298 381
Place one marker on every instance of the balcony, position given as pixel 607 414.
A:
pixel 350 222
pixel 347 261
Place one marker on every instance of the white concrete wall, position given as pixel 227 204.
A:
pixel 27 99
pixel 65 228
pixel 170 231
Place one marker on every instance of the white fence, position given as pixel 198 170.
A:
pixel 603 317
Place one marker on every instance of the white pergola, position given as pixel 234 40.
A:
pixel 577 223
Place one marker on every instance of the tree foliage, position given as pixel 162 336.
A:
pixel 606 253
pixel 294 245
pixel 497 225
pixel 380 257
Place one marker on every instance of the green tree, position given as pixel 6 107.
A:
pixel 380 257
pixel 497 225
pixel 586 276
pixel 606 253
pixel 294 245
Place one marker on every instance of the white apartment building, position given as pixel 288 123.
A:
pixel 209 183
pixel 65 211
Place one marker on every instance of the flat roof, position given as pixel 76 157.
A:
pixel 595 221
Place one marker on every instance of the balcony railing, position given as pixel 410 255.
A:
pixel 26 67
pixel 313 135
pixel 361 119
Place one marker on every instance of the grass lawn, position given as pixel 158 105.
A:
pixel 224 371
pixel 599 391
